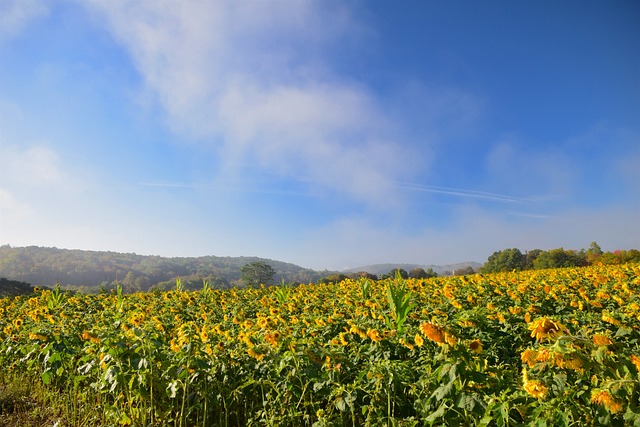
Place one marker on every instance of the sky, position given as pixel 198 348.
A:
pixel 330 134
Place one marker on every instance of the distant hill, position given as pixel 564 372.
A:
pixel 91 269
pixel 379 269
pixel 12 288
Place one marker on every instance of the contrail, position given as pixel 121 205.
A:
pixel 464 193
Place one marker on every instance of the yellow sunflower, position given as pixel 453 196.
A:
pixel 544 328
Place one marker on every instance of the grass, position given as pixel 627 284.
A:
pixel 26 403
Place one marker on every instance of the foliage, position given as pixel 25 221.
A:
pixel 89 271
pixel 505 260
pixel 257 273
pixel 12 288
pixel 529 348
pixel 399 299
pixel 401 272
pixel 559 258
pixel 512 259
pixel 334 278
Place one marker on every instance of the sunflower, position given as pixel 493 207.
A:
pixel 341 337
pixel 476 346
pixel 272 338
pixel 174 346
pixel 544 328
pixel 433 332
pixel 606 317
pixel 251 352
pixel 407 344
pixel 604 398
pixel 535 389
pixel 418 340
pixel 374 335
pixel 601 340
pixel 529 357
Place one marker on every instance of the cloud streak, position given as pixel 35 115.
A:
pixel 465 193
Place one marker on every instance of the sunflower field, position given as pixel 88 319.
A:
pixel 534 348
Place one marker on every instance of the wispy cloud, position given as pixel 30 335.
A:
pixel 237 187
pixel 255 85
pixel 35 166
pixel 15 15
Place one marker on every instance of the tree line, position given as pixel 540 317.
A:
pixel 513 259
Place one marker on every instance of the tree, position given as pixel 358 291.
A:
pixel 393 273
pixel 420 273
pixel 593 253
pixel 530 257
pixel 505 260
pixel 257 273
pixel 559 258
pixel 333 278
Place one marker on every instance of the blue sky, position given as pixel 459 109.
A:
pixel 329 134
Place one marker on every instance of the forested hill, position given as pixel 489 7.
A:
pixel 86 269
pixel 12 288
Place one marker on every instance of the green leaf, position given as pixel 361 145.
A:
pixel 467 401
pixel 622 331
pixel 443 391
pixel 437 414
pixel 46 377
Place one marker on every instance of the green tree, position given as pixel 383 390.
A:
pixel 421 273
pixel 530 257
pixel 559 258
pixel 257 273
pixel 593 253
pixel 393 273
pixel 418 273
pixel 505 260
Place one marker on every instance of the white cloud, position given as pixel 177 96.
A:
pixel 12 208
pixel 35 166
pixel 253 79
pixel 15 15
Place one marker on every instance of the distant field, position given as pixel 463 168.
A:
pixel 543 347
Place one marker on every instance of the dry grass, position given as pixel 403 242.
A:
pixel 26 404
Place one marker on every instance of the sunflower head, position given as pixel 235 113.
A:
pixel 604 398
pixel 601 340
pixel 476 346
pixel 535 389
pixel 545 328
pixel 433 332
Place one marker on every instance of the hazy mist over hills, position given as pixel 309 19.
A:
pixel 44 266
